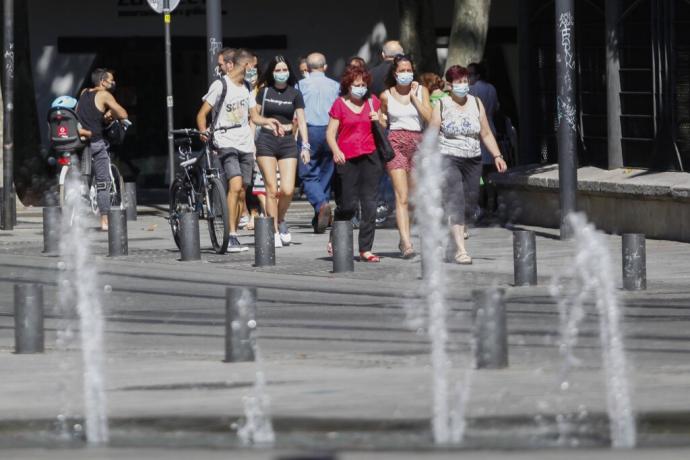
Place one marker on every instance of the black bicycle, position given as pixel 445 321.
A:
pixel 198 188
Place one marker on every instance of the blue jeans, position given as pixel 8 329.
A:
pixel 317 174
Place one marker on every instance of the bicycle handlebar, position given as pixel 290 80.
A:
pixel 186 132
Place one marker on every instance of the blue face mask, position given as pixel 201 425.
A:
pixel 461 89
pixel 250 74
pixel 404 78
pixel 281 77
pixel 358 91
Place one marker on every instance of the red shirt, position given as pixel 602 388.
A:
pixel 354 132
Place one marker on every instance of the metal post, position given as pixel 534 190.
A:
pixel 490 330
pixel 190 244
pixel 28 318
pixel 525 258
pixel 528 149
pixel 634 262
pixel 343 247
pixel 240 324
pixel 51 229
pixel 131 200
pixel 214 36
pixel 8 210
pixel 117 233
pixel 264 242
pixel 169 90
pixel 566 101
pixel 613 87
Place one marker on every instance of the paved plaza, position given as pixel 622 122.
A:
pixel 344 370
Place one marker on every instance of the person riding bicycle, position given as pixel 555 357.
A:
pixel 96 106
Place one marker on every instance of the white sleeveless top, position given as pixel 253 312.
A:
pixel 460 128
pixel 404 116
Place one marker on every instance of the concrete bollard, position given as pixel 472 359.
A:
pixel 343 246
pixel 634 262
pixel 190 241
pixel 524 258
pixel 117 233
pixel 28 318
pixel 240 324
pixel 264 242
pixel 52 219
pixel 490 329
pixel 131 200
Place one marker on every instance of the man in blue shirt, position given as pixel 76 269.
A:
pixel 319 93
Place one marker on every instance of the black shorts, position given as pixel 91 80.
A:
pixel 279 147
pixel 236 163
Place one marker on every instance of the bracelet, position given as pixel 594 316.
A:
pixel 306 146
pixel 498 156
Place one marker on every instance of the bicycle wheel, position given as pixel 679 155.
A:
pixel 117 188
pixel 217 216
pixel 179 203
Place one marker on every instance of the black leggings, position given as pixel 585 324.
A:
pixel 359 180
pixel 461 187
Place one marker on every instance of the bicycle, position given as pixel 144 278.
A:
pixel 198 188
pixel 70 165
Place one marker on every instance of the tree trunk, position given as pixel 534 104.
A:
pixel 468 34
pixel 418 33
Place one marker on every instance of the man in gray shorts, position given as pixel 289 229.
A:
pixel 232 136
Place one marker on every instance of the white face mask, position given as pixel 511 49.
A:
pixel 404 78
pixel 281 76
pixel 461 89
pixel 305 75
pixel 358 91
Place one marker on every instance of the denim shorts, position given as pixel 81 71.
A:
pixel 236 163
pixel 279 147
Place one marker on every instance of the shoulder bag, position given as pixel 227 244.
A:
pixel 383 145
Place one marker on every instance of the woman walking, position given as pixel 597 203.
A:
pixel 277 98
pixel 406 108
pixel 463 126
pixel 358 164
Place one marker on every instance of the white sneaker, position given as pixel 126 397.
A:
pixel 244 220
pixel 285 236
pixel 278 241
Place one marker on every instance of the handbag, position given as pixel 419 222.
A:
pixel 115 132
pixel 383 145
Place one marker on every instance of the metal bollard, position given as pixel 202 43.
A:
pixel 490 330
pixel 51 230
pixel 264 242
pixel 525 258
pixel 240 324
pixel 190 242
pixel 117 233
pixel 634 262
pixel 28 318
pixel 131 200
pixel 343 246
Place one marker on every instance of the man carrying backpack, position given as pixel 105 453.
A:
pixel 231 105
pixel 94 103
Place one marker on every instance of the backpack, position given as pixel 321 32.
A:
pixel 63 130
pixel 219 102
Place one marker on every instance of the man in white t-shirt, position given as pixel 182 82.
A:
pixel 233 140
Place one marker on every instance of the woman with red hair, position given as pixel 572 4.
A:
pixel 358 164
pixel 462 122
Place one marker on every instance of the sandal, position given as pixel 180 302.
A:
pixel 406 252
pixel 368 256
pixel 329 248
pixel 463 258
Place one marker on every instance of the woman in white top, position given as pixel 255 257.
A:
pixel 406 108
pixel 463 125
